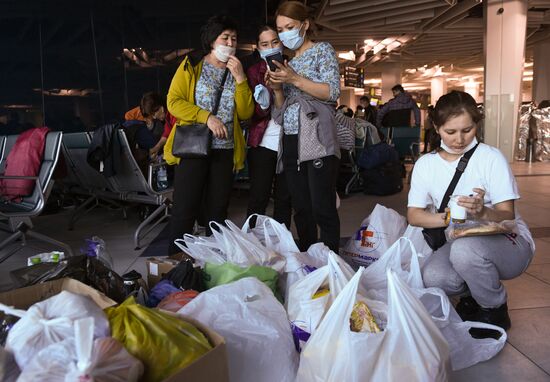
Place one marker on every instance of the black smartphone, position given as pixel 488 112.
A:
pixel 274 57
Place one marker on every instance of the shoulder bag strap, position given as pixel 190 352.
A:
pixel 219 93
pixel 458 173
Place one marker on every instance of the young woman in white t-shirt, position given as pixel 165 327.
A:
pixel 470 266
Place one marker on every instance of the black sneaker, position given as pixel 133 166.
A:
pixel 494 316
pixel 467 308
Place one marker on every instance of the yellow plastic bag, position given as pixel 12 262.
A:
pixel 164 343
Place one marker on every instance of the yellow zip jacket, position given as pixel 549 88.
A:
pixel 181 104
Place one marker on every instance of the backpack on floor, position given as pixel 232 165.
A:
pixel 385 179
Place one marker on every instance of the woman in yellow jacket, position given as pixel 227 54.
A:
pixel 206 183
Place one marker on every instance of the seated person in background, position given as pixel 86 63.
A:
pixel 470 266
pixel 145 125
pixel 365 110
pixel 345 127
pixel 396 112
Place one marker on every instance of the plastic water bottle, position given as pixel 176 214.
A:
pixel 162 177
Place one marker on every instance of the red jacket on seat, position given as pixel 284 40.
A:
pixel 24 159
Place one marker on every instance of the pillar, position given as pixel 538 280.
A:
pixel 347 97
pixel 472 88
pixel 391 76
pixel 505 29
pixel 438 88
pixel 541 71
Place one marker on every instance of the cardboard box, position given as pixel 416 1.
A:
pixel 23 298
pixel 210 367
pixel 157 267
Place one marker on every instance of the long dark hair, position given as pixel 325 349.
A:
pixel 451 105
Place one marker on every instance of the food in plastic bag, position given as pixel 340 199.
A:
pixel 163 342
pixel 479 228
pixel 82 359
pixel 9 371
pixel 255 327
pixel 215 275
pixel 49 257
pixel 307 300
pixel 362 320
pixel 410 348
pixel 376 234
pixel 51 321
pixel 175 301
pixel 466 350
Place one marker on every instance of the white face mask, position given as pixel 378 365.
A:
pixel 292 38
pixel 270 51
pixel 222 52
pixel 458 152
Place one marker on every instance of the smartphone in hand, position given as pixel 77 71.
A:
pixel 274 57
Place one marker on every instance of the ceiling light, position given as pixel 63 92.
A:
pixel 528 78
pixel 350 56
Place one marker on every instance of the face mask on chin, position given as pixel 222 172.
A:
pixel 458 152
pixel 222 52
pixel 292 38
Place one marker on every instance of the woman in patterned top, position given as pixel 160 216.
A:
pixel 202 186
pixel 306 89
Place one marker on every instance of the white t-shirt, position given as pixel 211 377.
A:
pixel 270 140
pixel 487 169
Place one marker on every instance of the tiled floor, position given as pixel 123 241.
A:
pixel 526 357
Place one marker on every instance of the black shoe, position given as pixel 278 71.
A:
pixel 467 308
pixel 494 316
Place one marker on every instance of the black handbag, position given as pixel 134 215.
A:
pixel 195 140
pixel 435 237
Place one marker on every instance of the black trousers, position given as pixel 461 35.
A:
pixel 262 164
pixel 202 188
pixel 312 188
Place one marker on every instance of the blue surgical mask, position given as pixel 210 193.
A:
pixel 269 51
pixel 292 39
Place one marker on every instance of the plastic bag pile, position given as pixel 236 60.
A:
pixel 335 323
pixel 68 337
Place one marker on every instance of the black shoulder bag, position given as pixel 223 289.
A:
pixel 435 237
pixel 194 141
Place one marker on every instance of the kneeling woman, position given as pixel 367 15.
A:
pixel 470 266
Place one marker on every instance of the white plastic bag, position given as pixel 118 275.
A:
pixel 414 234
pixel 255 327
pixel 305 312
pixel 81 359
pixel 465 350
pixel 410 347
pixel 401 258
pixel 230 244
pixel 376 234
pixel 271 234
pixel 51 321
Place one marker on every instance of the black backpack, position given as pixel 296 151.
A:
pixel 386 179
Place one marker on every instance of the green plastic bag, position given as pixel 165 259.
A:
pixel 163 342
pixel 215 275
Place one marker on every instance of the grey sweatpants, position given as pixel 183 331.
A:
pixel 478 263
